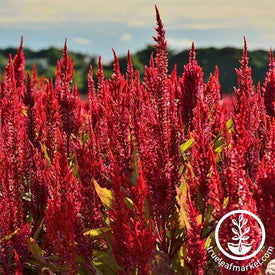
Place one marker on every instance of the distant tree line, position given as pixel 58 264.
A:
pixel 226 59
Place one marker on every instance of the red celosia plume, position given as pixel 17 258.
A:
pixel 134 181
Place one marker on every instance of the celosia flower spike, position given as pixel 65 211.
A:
pixel 66 67
pixel 191 88
pixel 245 82
pixel 28 99
pixel 130 70
pixel 19 66
pixel 160 38
pixel 244 61
pixel 92 97
pixel 192 53
pixel 116 75
pixel 100 79
pixel 269 87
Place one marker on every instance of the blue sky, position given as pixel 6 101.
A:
pixel 94 27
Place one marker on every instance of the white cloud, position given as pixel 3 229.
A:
pixel 79 40
pixel 178 44
pixel 138 23
pixel 126 37
pixel 139 13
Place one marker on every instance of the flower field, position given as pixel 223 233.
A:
pixel 135 180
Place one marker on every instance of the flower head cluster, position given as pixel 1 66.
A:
pixel 135 181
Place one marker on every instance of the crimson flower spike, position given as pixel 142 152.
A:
pixel 100 78
pixel 19 66
pixel 195 244
pixel 116 75
pixel 245 82
pixel 216 73
pixel 28 93
pixel 269 87
pixel 192 53
pixel 245 59
pixel 28 100
pixel 174 74
pixel 212 90
pixel 160 38
pixel 130 70
pixel 66 66
pixel 34 75
pixel 151 61
pixel 91 87
pixel 10 76
pixel 191 88
pixel 272 63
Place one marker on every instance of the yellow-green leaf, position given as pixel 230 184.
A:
pixel 199 218
pixel 46 154
pixel 208 241
pixel 95 233
pixel 208 214
pixel 186 145
pixel 181 198
pixel 129 203
pixel 105 262
pixel 229 123
pixel 218 149
pixel 34 248
pixel 225 202
pixel 25 112
pixel 104 194
pixel 9 236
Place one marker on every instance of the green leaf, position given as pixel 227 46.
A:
pixel 25 112
pixel 95 233
pixel 105 263
pixel 229 123
pixel 37 232
pixel 218 150
pixel 208 241
pixel 185 146
pixel 218 144
pixel 35 249
pixel 208 214
pixel 129 203
pixel 107 221
pixel 181 199
pixel 46 154
pixel 209 229
pixel 104 194
pixel 98 272
pixel 74 167
pixel 183 187
pixel 9 236
pixel 177 261
pixel 225 202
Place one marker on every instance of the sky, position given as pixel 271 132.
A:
pixel 93 27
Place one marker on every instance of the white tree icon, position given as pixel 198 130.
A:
pixel 241 232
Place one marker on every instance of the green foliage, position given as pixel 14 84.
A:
pixel 104 194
